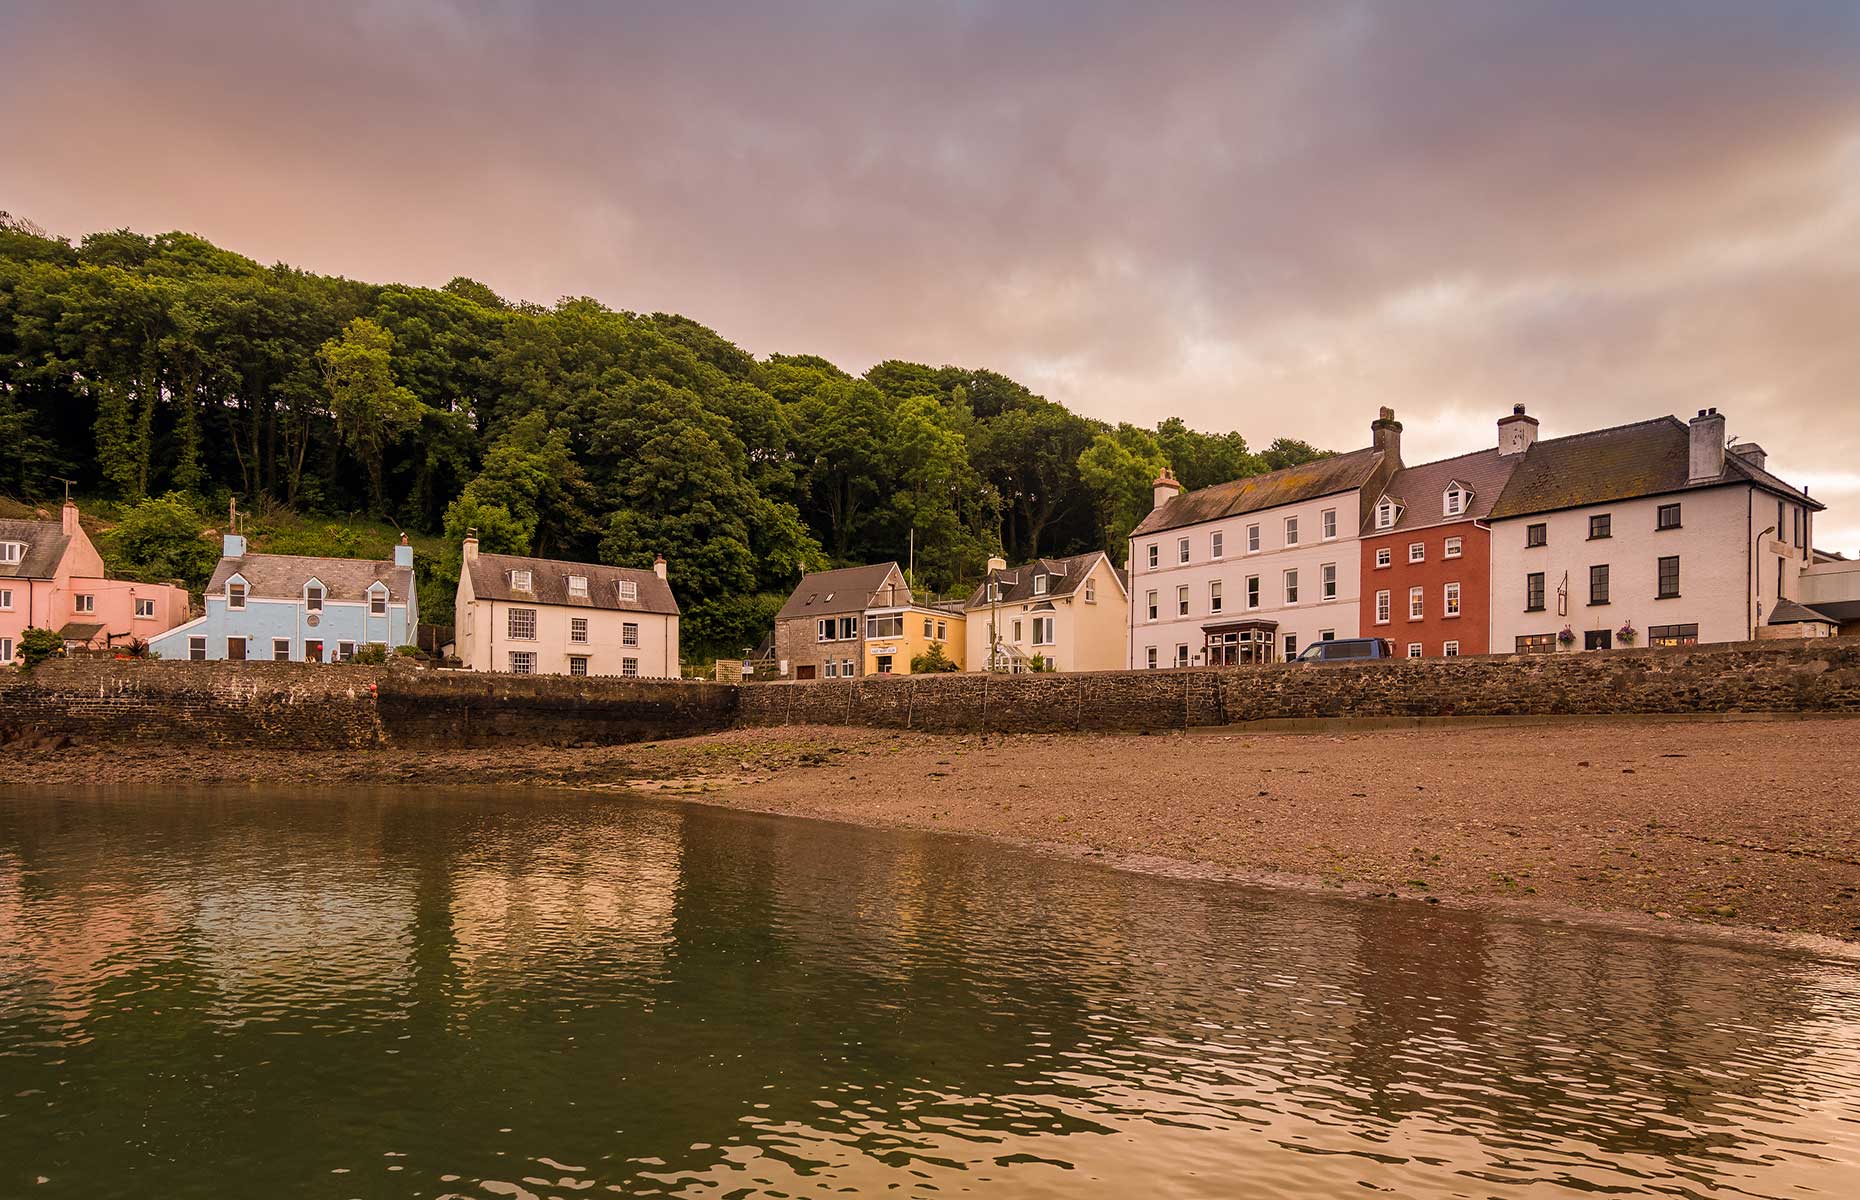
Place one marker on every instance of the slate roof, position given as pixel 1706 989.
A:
pixel 45 546
pixel 1422 490
pixel 1307 481
pixel 283 576
pixel 836 592
pixel 1063 577
pixel 1647 458
pixel 490 580
pixel 1788 612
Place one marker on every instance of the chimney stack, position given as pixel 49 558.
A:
pixel 1751 453
pixel 68 519
pixel 1166 488
pixel 1707 459
pixel 1385 435
pixel 471 545
pixel 1516 433
pixel 996 563
pixel 658 565
pixel 232 546
pixel 403 553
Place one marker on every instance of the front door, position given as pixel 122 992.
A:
pixel 806 672
pixel 313 652
pixel 235 649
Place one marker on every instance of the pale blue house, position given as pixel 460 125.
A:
pixel 295 608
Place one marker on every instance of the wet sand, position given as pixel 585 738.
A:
pixel 1750 824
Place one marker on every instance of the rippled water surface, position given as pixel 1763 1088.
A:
pixel 343 994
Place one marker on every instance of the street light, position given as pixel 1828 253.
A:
pixel 1757 573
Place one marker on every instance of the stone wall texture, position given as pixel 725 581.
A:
pixel 1798 676
pixel 321 706
pixel 313 706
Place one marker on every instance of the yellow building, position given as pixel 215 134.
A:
pixel 894 635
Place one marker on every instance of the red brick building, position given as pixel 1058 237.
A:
pixel 1427 554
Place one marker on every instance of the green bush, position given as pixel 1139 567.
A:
pixel 932 661
pixel 160 539
pixel 371 655
pixel 36 645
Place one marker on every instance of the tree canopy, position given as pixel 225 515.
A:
pixel 168 374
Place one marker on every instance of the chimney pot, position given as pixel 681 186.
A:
pixel 1706 457
pixel 1385 434
pixel 1165 488
pixel 1517 432
pixel 658 565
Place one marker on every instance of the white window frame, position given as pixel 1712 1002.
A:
pixel 1327 581
pixel 1154 555
pixel 1384 606
pixel 1149 658
pixel 1385 513
pixel 1091 593
pixel 277 644
pixel 1329 525
pixel 942 631
pixel 1181 654
pixel 522 662
pixel 236 592
pixel 1450 650
pixel 1450 599
pixel 314 596
pixel 578 631
pixel 1291 531
pixel 12 553
pixel 1150 600
pixel 1385 558
pixel 197 648
pixel 6 651
pixel 150 614
pixel 831 670
pixel 84 602
pixel 1414 649
pixel 527 616
pixel 1453 548
pixel 1290 582
pixel 345 651
pixel 1039 585
pixel 1252 539
pixel 6 599
pixel 1181 600
pixel 1217 544
pixel 1044 633
pixel 1453 501
pixel 377 600
pixel 1017 630
pixel 629 591
pixel 1417 604
pixel 823 629
pixel 522 581
pixel 1417 552
pixel 1254 592
pixel 1181 551
pixel 578 586
pixel 1214 596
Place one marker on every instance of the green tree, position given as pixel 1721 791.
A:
pixel 160 539
pixel 372 411
pixel 36 645
pixel 932 661
pixel 1119 468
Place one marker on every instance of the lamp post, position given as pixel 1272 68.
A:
pixel 1757 579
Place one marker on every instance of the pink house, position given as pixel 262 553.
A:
pixel 51 577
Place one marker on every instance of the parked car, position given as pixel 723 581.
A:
pixel 1347 650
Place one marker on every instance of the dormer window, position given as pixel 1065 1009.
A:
pixel 1386 512
pixel 235 594
pixel 520 581
pixel 12 553
pixel 313 598
pixel 629 590
pixel 578 586
pixel 994 590
pixel 377 601
pixel 1455 501
pixel 1039 585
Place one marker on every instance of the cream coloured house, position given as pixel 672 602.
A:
pixel 1063 614
pixel 538 616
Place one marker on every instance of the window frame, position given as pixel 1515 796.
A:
pixel 578 665
pixel 1327 581
pixel 1417 552
pixel 280 649
pixel 1536 534
pixel 1601 579
pixel 1602 522
pixel 197 648
pixel 1385 557
pixel 315 594
pixel 84 602
pixel 1291 530
pixel 1152 604
pixel 1051 631
pixel 1289 581
pixel 578 631
pixel 1660 588
pixel 1385 606
pixel 1217 544
pixel 1181 551
pixel 1450 599
pixel 236 593
pixel 144 616
pixel 1252 539
pixel 1253 592
pixel 1153 556
pixel 1535 582
pixel 628 590
pixel 377 602
pixel 521 662
pixel 1327 524
pixel 1215 599
pixel 1415 649
pixel 12 553
pixel 1453 547
pixel 1450 649
pixel 1417 603
pixel 1181 600
pixel 512 617
pixel 1660 523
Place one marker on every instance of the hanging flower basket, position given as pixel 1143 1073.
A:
pixel 1627 633
pixel 1566 636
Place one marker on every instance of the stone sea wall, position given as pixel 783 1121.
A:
pixel 1800 676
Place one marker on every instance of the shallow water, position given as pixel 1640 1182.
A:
pixel 375 994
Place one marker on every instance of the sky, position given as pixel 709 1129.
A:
pixel 1263 217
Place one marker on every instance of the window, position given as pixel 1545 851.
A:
pixel 1597 639
pixel 1537 643
pixel 6 650
pixel 823 630
pixel 1667 517
pixel 1382 607
pixel 235 595
pixel 1327 581
pixel 1598 584
pixel 578 629
pixel 6 599
pixel 1291 531
pixel 629 591
pixel 1452 548
pixel 1417 603
pixel 1039 585
pixel 521 624
pixel 1601 525
pixel 522 662
pixel 1149 658
pixel 1181 654
pixel 833 669
pixel 1181 601
pixel 1534 592
pixel 885 627
pixel 1536 535
pixel 1450 600
pixel 1181 550
pixel 1384 556
pixel 578 588
pixel 12 552
pixel 1450 649
pixel 520 582
pixel 1154 556
pixel 1291 646
pixel 1669 578
pixel 1414 649
pixel 849 629
pixel 345 651
pixel 1017 630
pixel 197 649
pixel 1327 635
pixel 577 664
pixel 1252 591
pixel 313 598
pixel 1417 552
pixel 1152 605
pixel 145 609
pixel 1291 587
pixel 377 603
pixel 929 626
pixel 1385 514
pixel 846 668
pixel 994 590
pixel 1214 596
pixel 84 602
pixel 1252 539
pixel 1672 635
pixel 1091 594
pixel 1043 631
pixel 1330 523
pixel 1215 543
pixel 1455 501
pixel 942 631
pixel 883 664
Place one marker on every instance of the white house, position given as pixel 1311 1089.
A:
pixel 538 616
pixel 1255 569
pixel 1070 614
pixel 1653 528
